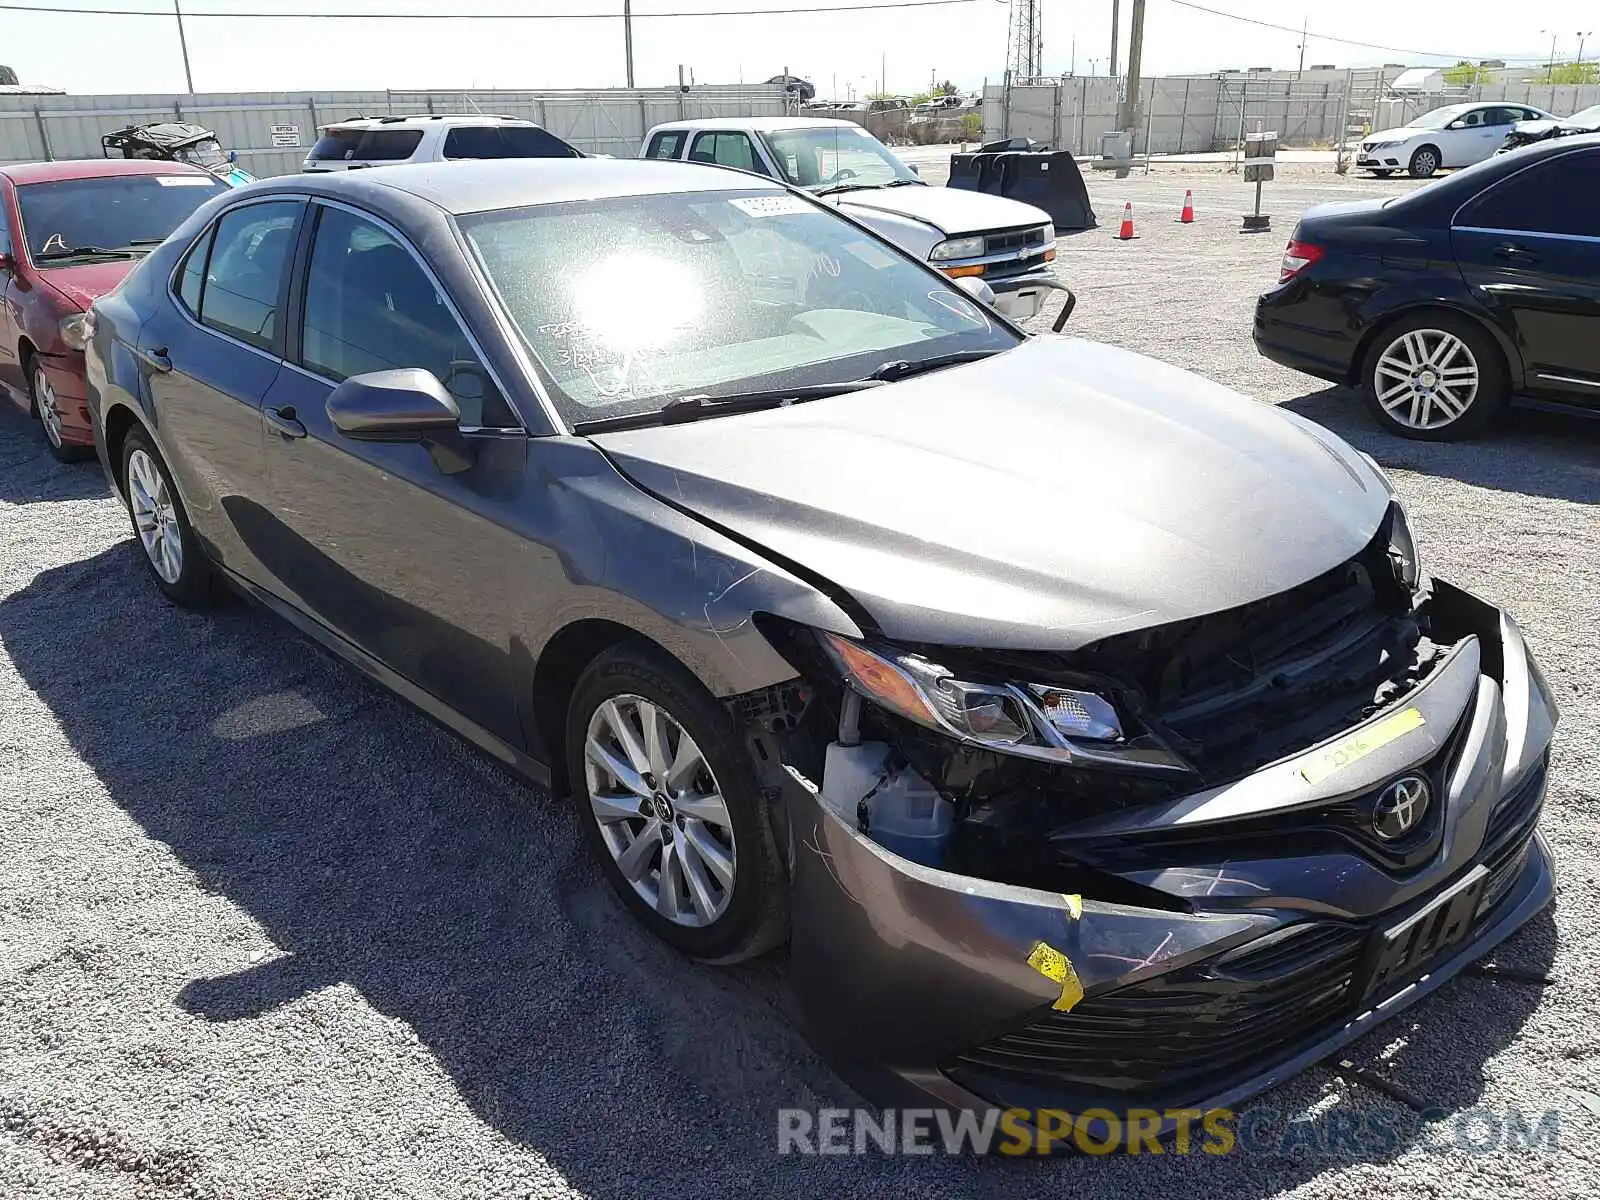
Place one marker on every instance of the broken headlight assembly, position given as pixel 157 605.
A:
pixel 1402 548
pixel 1040 721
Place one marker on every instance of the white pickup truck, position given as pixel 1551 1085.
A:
pixel 1005 245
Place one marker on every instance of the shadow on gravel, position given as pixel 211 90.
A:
pixel 1535 453
pixel 377 851
pixel 28 471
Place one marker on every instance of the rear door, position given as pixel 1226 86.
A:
pixel 208 356
pixel 667 143
pixel 401 553
pixel 1529 247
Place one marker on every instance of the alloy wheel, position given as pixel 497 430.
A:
pixel 44 397
pixel 1424 164
pixel 1426 379
pixel 155 516
pixel 660 810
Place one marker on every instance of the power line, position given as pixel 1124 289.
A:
pixel 191 14
pixel 1217 12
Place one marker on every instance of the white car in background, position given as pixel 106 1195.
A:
pixel 361 142
pixel 996 249
pixel 1457 135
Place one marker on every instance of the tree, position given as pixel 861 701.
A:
pixel 1465 74
pixel 947 89
pixel 1575 72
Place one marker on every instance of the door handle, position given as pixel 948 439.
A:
pixel 285 422
pixel 1517 254
pixel 156 359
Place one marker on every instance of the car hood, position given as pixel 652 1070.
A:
pixel 84 284
pixel 1543 125
pixel 1045 498
pixel 1402 134
pixel 952 211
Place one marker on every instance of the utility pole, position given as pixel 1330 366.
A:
pixel 1550 70
pixel 183 44
pixel 1116 21
pixel 1582 37
pixel 1304 28
pixel 883 70
pixel 627 35
pixel 1135 54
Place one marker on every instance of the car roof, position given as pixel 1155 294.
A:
pixel 482 185
pixel 401 122
pixel 759 124
pixel 95 168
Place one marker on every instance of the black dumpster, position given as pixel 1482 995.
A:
pixel 1046 179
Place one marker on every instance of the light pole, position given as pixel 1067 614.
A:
pixel 627 35
pixel 183 44
pixel 1550 70
pixel 1582 37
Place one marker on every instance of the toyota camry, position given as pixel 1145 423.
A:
pixel 1088 731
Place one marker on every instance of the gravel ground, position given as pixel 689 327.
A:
pixel 265 932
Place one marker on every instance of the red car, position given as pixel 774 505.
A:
pixel 69 232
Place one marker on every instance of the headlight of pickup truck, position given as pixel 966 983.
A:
pixel 1042 718
pixel 952 248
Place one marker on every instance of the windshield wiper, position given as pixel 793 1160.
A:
pixel 145 242
pixel 902 368
pixel 845 187
pixel 905 182
pixel 82 251
pixel 692 408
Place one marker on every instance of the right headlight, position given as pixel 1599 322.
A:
pixel 1038 720
pixel 951 248
pixel 1403 548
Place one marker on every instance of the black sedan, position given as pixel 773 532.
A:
pixel 1445 305
pixel 1086 728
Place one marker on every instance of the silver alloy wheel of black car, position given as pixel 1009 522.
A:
pixel 44 399
pixel 1426 379
pixel 660 810
pixel 155 517
pixel 1424 162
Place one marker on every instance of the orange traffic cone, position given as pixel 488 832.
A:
pixel 1187 217
pixel 1126 232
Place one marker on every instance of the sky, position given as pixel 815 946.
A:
pixel 840 51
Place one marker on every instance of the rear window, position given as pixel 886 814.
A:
pixel 366 145
pixel 504 141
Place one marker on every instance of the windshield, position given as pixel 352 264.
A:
pixel 110 212
pixel 630 302
pixel 1439 117
pixel 828 155
pixel 206 153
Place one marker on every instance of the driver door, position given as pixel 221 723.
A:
pixel 399 550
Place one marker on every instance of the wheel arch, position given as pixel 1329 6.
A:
pixel 119 421
pixel 1388 320
pixel 25 352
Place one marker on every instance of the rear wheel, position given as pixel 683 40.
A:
pixel 669 803
pixel 47 407
pixel 171 550
pixel 1435 376
pixel 1424 162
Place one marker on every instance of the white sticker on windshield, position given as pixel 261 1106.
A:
pixel 875 257
pixel 770 206
pixel 185 180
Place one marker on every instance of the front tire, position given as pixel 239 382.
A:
pixel 48 409
pixel 1424 162
pixel 1435 376
pixel 669 803
pixel 170 549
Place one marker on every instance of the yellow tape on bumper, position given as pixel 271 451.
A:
pixel 1335 758
pixel 1053 964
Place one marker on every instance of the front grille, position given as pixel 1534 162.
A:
pixel 1013 239
pixel 1167 1040
pixel 1235 690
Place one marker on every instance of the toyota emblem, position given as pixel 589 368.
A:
pixel 1400 807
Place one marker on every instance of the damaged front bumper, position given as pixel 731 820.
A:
pixel 1267 953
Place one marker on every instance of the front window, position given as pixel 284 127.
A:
pixel 504 141
pixel 111 214
pixel 631 302
pixel 1439 117
pixel 205 153
pixel 827 156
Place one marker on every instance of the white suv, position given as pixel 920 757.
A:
pixel 385 141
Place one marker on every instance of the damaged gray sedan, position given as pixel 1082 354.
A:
pixel 1091 734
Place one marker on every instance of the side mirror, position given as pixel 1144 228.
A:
pixel 7 263
pixel 916 170
pixel 392 406
pixel 233 156
pixel 408 405
pixel 976 288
